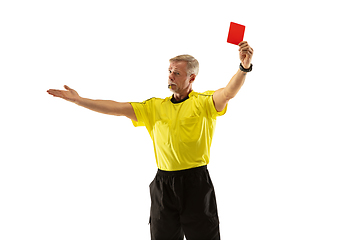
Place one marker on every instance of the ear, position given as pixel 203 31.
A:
pixel 192 78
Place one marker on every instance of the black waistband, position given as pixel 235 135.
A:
pixel 181 172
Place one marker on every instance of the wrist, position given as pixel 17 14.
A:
pixel 247 68
pixel 79 101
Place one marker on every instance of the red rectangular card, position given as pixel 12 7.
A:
pixel 236 33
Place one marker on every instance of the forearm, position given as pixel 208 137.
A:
pixel 235 84
pixel 102 106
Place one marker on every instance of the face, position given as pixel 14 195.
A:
pixel 179 81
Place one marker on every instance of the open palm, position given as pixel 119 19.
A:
pixel 68 94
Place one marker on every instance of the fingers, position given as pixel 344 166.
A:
pixel 68 94
pixel 58 93
pixel 246 51
pixel 244 48
pixel 243 43
pixel 54 92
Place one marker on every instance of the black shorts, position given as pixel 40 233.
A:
pixel 183 203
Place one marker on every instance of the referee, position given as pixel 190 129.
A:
pixel 181 127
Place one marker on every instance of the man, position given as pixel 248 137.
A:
pixel 181 127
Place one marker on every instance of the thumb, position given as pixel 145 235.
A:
pixel 67 88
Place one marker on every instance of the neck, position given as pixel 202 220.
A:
pixel 182 95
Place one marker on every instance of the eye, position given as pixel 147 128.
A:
pixel 177 73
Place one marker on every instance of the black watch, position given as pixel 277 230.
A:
pixel 244 69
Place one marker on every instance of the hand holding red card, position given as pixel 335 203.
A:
pixel 236 33
pixel 245 54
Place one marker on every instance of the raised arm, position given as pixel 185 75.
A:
pixel 222 96
pixel 101 106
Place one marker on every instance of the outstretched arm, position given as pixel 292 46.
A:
pixel 222 96
pixel 101 106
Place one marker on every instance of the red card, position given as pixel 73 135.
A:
pixel 236 33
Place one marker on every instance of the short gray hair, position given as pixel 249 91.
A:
pixel 192 63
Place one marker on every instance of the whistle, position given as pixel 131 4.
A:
pixel 169 86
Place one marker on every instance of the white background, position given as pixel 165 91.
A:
pixel 285 157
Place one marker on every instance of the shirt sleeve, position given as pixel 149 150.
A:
pixel 209 103
pixel 142 111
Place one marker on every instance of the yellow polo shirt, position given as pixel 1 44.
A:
pixel 181 132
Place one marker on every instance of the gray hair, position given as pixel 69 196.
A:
pixel 192 63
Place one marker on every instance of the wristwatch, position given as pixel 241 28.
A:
pixel 244 69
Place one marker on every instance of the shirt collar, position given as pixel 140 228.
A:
pixel 172 99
